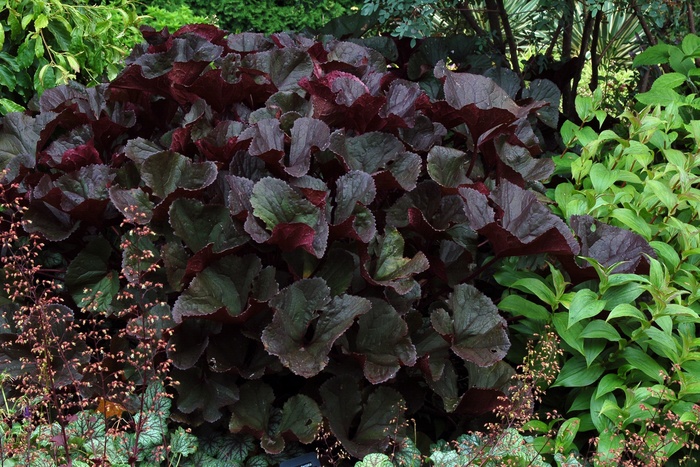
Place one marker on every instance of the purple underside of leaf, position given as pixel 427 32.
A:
pixel 608 244
pixel 527 227
pixel 307 135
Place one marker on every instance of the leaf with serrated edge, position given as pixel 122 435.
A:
pixel 475 329
pixel 301 305
pixel 382 340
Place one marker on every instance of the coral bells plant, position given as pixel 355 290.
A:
pixel 308 230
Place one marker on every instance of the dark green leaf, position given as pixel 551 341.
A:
pixel 383 342
pixel 353 188
pixel 448 166
pixel 307 323
pixel 199 225
pixel 342 402
pixel 474 328
pixel 225 284
pixel 208 393
pixel 275 202
pixel 89 280
pixel 166 171
pixel 392 268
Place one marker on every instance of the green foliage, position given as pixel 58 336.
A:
pixel 270 16
pixel 47 43
pixel 174 17
pixel 629 339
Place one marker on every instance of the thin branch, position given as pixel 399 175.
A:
pixel 595 58
pixel 643 22
pixel 468 15
pixel 514 63
pixel 691 16
pixel 495 25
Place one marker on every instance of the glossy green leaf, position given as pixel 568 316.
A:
pixel 576 373
pixel 519 306
pixel 584 305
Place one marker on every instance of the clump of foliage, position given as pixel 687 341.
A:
pixel 267 16
pixel 630 373
pixel 310 233
pixel 47 43
pixel 173 18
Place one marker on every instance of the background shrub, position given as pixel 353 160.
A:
pixel 44 44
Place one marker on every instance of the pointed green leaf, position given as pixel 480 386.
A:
pixel 584 305
pixel 576 373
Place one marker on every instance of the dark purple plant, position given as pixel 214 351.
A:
pixel 319 221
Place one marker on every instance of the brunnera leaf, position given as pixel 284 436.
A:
pixel 307 322
pixel 369 152
pixel 352 189
pixel 275 202
pixel 89 279
pixel 166 171
pixel 391 268
pixel 448 166
pixel 204 392
pixel 134 204
pixel 473 326
pixel 254 412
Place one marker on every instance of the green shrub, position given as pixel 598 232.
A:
pixel 173 19
pixel 47 43
pixel 630 370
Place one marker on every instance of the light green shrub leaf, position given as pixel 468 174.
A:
pixel 585 304
pixel 602 177
pixel 654 55
pixel 519 306
pixel 538 288
pixel 576 373
pixel 626 310
pixel 637 359
pixel 599 329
